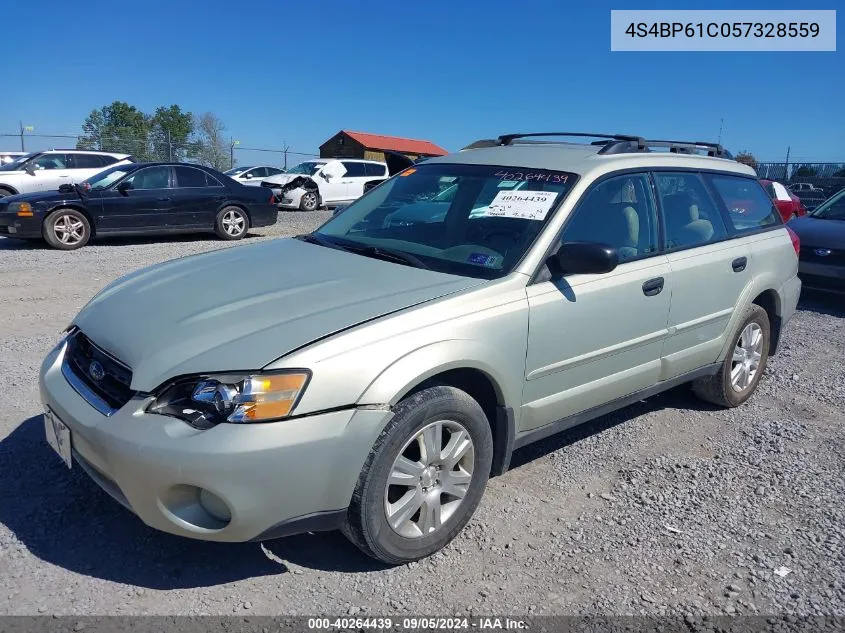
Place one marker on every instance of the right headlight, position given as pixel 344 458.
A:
pixel 206 400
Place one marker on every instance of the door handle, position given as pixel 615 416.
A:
pixel 164 199
pixel 653 287
pixel 739 264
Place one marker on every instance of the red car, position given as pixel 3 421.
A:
pixel 789 205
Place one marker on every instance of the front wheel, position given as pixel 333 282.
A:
pixel 232 223
pixel 309 201
pixel 744 364
pixel 423 478
pixel 66 229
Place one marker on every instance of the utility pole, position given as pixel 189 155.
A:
pixel 169 147
pixel 721 123
pixel 27 128
pixel 786 166
pixel 233 142
pixel 286 154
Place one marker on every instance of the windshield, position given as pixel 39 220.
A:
pixel 106 178
pixel 471 220
pixel 831 209
pixel 308 169
pixel 18 162
pixel 236 170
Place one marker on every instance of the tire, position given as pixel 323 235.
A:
pixel 722 389
pixel 66 229
pixel 6 192
pixel 415 425
pixel 310 201
pixel 232 223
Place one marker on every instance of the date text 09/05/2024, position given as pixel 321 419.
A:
pixel 724 29
pixel 417 623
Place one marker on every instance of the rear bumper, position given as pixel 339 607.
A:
pixel 790 293
pixel 264 214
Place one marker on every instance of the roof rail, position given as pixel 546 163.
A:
pixel 675 147
pixel 507 139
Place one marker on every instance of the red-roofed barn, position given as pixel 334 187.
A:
pixel 348 144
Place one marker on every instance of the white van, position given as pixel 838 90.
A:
pixel 324 182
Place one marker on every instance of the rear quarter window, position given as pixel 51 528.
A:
pixel 749 207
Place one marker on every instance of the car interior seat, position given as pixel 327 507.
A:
pixel 684 224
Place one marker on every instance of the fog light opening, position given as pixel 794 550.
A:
pixel 215 506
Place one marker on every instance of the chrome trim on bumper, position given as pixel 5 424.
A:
pixel 82 389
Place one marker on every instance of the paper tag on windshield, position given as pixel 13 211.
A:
pixel 525 205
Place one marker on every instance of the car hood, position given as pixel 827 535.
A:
pixel 242 308
pixel 283 179
pixel 40 196
pixel 819 232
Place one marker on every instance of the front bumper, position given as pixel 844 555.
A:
pixel 824 277
pixel 270 476
pixel 290 199
pixel 11 225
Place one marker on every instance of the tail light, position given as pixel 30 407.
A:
pixel 273 198
pixel 796 241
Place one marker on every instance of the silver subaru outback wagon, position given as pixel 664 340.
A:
pixel 372 375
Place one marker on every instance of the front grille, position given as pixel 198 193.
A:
pixel 836 257
pixel 112 383
pixel 821 282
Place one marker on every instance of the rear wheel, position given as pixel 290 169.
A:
pixel 744 365
pixel 424 477
pixel 309 201
pixel 66 229
pixel 232 223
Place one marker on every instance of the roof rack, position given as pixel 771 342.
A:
pixel 616 143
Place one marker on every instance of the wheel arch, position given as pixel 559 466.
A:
pixel 76 207
pixel 474 374
pixel 12 191
pixel 770 301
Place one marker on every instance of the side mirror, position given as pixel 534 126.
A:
pixel 247 176
pixel 30 169
pixel 325 176
pixel 124 187
pixel 584 258
pixel 66 188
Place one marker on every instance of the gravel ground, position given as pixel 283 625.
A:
pixel 683 509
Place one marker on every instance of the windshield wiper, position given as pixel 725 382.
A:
pixel 388 254
pixel 314 238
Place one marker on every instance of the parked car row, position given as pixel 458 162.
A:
pixel 372 375
pixel 132 198
pixel 788 204
pixel 822 234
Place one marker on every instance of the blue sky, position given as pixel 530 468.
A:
pixel 450 72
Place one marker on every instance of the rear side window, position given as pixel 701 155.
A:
pixel 272 171
pixel 211 181
pixel 372 169
pixel 189 177
pixel 108 160
pixel 690 215
pixel 86 161
pixel 748 206
pixel 354 170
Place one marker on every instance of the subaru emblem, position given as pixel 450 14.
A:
pixel 822 252
pixel 96 371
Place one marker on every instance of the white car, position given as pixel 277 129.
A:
pixel 8 157
pixel 253 174
pixel 46 171
pixel 325 182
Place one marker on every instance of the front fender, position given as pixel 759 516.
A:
pixel 392 384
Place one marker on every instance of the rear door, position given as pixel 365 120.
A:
pixel 710 268
pixel 83 166
pixel 356 176
pixel 146 206
pixel 196 198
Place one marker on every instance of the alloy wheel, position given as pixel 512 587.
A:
pixel 69 230
pixel 746 357
pixel 429 479
pixel 233 222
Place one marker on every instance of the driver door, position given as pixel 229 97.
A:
pixel 50 171
pixel 146 206
pixel 594 338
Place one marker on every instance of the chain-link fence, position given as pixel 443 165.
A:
pixel 159 147
pixel 812 182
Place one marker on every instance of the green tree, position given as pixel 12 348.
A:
pixel 804 172
pixel 118 127
pixel 746 158
pixel 171 131
pixel 211 148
